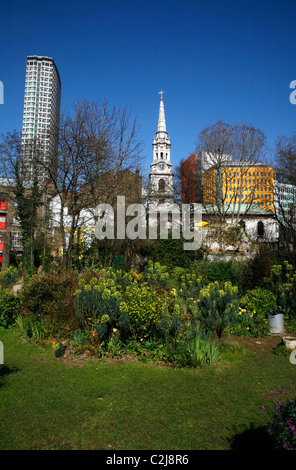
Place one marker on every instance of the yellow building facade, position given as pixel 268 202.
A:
pixel 235 183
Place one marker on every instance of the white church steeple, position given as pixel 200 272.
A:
pixel 161 116
pixel 161 174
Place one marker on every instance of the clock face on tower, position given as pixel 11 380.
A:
pixel 161 166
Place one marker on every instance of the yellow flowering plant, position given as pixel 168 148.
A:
pixel 97 304
pixel 253 312
pixel 190 286
pixel 282 284
pixel 148 310
pixel 156 274
pixel 218 307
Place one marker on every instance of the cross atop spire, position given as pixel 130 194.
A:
pixel 161 93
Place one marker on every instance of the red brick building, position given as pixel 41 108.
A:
pixel 191 180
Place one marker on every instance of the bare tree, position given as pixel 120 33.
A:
pixel 228 153
pixel 249 149
pixel 285 157
pixel 214 146
pixel 96 144
pixel 285 188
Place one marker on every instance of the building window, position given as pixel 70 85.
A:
pixel 260 229
pixel 3 202
pixel 15 220
pixel 161 185
pixel 16 239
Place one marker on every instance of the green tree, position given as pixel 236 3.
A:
pixel 23 188
pixel 28 203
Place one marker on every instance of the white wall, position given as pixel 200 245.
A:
pixel 271 229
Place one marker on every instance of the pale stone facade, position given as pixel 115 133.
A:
pixel 161 173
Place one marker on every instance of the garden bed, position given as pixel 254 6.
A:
pixel 257 345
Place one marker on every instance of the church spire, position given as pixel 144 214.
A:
pixel 161 174
pixel 161 116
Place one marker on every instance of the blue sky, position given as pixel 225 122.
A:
pixel 229 60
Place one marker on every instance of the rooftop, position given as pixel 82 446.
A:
pixel 251 209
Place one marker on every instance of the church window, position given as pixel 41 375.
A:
pixel 161 185
pixel 260 229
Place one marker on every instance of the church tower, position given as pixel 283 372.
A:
pixel 161 173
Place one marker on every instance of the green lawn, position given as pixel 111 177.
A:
pixel 58 403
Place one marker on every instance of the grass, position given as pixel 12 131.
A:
pixel 58 403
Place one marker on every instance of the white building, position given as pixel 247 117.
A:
pixel 41 114
pixel 60 217
pixel 259 224
pixel 209 160
pixel 284 200
pixel 161 173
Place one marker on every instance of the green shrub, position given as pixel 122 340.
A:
pixel 170 252
pixel 282 427
pixel 183 351
pixel 220 271
pixel 258 267
pixel 149 312
pixel 151 349
pixel 8 277
pixel 218 307
pixel 133 303
pixel 177 272
pixel 190 286
pixel 115 347
pixel 48 298
pixel 282 283
pixel 254 308
pixel 97 304
pixel 9 309
pixel 33 328
pixel 179 355
pixel 156 274
pixel 80 340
